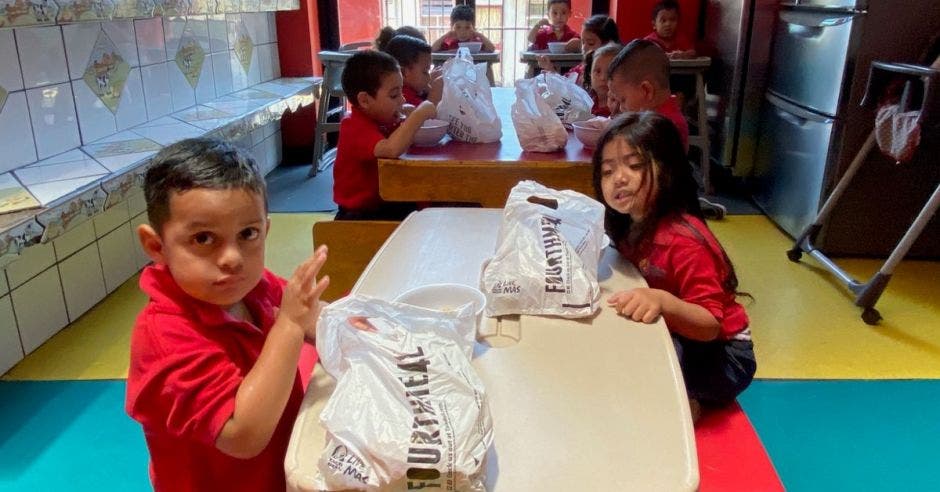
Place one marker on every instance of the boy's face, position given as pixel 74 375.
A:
pixel 418 75
pixel 628 181
pixel 631 96
pixel 599 76
pixel 666 22
pixel 589 41
pixel 384 108
pixel 212 243
pixel 463 30
pixel 558 15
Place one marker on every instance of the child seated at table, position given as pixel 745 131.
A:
pixel 653 219
pixel 638 80
pixel 597 31
pixel 666 31
pixel 213 376
pixel 374 129
pixel 420 83
pixel 598 65
pixel 387 33
pixel 554 28
pixel 462 29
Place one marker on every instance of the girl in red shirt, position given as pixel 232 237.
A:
pixel 653 218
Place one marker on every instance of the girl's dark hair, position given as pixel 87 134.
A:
pixel 603 27
pixel 656 139
pixel 387 33
pixel 197 163
pixel 407 49
pixel 589 57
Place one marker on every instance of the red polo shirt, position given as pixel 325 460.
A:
pixel 670 109
pixel 356 171
pixel 450 43
pixel 411 96
pixel 546 35
pixel 188 359
pixel 684 258
pixel 676 43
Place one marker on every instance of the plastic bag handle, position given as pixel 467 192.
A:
pixel 547 202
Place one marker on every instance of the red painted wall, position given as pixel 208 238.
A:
pixel 359 20
pixel 580 11
pixel 634 17
pixel 298 37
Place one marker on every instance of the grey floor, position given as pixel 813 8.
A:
pixel 290 190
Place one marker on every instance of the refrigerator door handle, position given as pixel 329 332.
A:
pixel 793 113
pixel 821 8
pixel 811 24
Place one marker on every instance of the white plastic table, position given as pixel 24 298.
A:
pixel 593 404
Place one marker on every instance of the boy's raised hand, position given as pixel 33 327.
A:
pixel 300 303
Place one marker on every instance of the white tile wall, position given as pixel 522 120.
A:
pixel 118 259
pixel 16 132
pixel 157 93
pixel 141 258
pixel 205 88
pixel 173 28
pixel 183 94
pixel 10 77
pixel 79 42
pixel 151 44
pixel 52 113
pixel 11 351
pixel 79 237
pixel 122 35
pixel 133 108
pixel 32 260
pixel 266 70
pixel 82 281
pixel 111 219
pixel 42 55
pixel 95 120
pixel 199 28
pixel 222 72
pixel 4 286
pixel 136 204
pixel 38 321
pixel 218 33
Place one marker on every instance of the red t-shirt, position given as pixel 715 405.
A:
pixel 577 72
pixel 356 170
pixel 546 35
pixel 670 109
pixel 677 43
pixel 598 109
pixel 683 257
pixel 411 96
pixel 188 359
pixel 451 43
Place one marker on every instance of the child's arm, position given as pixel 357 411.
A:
pixel 685 318
pixel 263 394
pixel 436 46
pixel 403 136
pixel 487 45
pixel 573 45
pixel 436 92
pixel 535 29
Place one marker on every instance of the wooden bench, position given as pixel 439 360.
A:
pixel 352 244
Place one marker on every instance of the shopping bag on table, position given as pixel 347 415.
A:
pixel 467 101
pixel 538 127
pixel 408 412
pixel 547 251
pixel 570 101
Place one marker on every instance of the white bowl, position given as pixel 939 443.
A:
pixel 590 131
pixel 473 46
pixel 444 297
pixel 557 47
pixel 431 132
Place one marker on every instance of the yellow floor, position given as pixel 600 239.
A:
pixel 805 325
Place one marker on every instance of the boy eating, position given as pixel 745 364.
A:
pixel 555 28
pixel 462 29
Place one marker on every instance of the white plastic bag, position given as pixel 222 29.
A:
pixel 536 123
pixel 570 101
pixel 467 102
pixel 547 252
pixel 408 412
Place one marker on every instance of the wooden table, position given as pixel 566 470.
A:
pixel 562 61
pixel 483 173
pixel 439 57
pixel 592 404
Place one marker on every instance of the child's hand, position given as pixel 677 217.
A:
pixel 543 22
pixel 436 92
pixel 545 64
pixel 573 45
pixel 300 303
pixel 425 111
pixel 407 109
pixel 641 304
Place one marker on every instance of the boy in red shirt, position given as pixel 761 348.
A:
pixel 555 28
pixel 666 31
pixel 373 129
pixel 638 80
pixel 462 29
pixel 213 374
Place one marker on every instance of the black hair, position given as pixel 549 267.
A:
pixel 463 13
pixel 604 27
pixel 407 49
pixel 553 2
pixel 665 5
pixel 656 139
pixel 364 72
pixel 198 163
pixel 609 48
pixel 387 33
pixel 639 60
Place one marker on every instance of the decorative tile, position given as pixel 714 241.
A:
pixel 244 47
pixel 106 72
pixel 121 150
pixel 31 262
pixel 189 58
pixel 79 43
pixel 20 13
pixel 52 112
pixel 157 92
pixel 218 33
pixel 116 214
pixel 228 6
pixel 222 73
pixel 70 165
pixel 42 56
pixel 151 45
pixel 170 8
pixel 166 131
pixel 14 196
pixel 202 7
pixel 94 118
pixel 204 117
pixel 15 239
pixel 122 35
pixel 11 78
pixel 183 94
pixel 16 133
pixel 84 10
pixel 81 234
pixel 251 5
pixel 69 214
pixel 268 5
pixel 173 28
pixel 40 309
pixel 133 108
pixel 128 9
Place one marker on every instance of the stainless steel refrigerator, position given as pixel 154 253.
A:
pixel 810 125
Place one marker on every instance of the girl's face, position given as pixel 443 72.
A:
pixel 418 75
pixel 599 76
pixel 589 41
pixel 628 180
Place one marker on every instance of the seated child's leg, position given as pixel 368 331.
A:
pixel 716 372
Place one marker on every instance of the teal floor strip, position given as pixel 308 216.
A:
pixel 849 435
pixel 69 435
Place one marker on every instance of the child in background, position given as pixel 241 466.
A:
pixel 597 31
pixel 462 22
pixel 374 129
pixel 653 218
pixel 213 374
pixel 414 57
pixel 666 31
pixel 638 80
pixel 387 33
pixel 555 28
pixel 600 62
